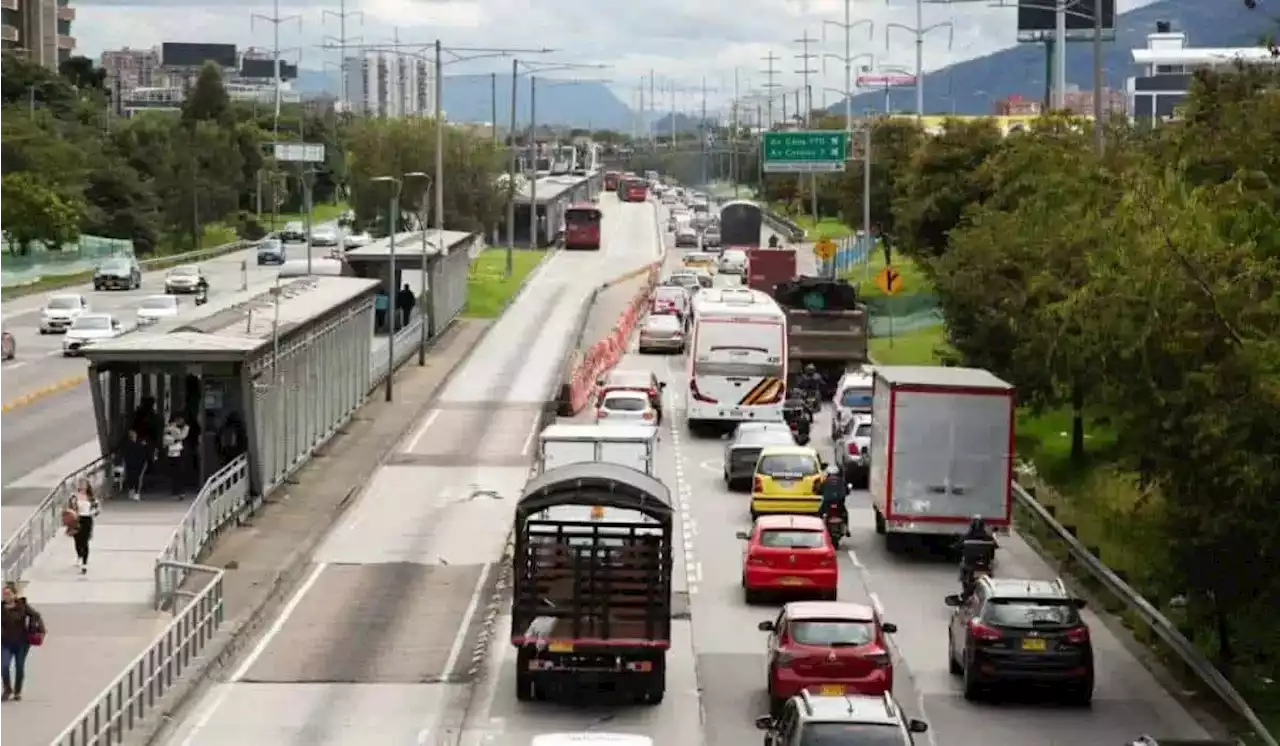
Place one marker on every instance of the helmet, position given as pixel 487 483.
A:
pixel 810 368
pixel 833 470
pixel 977 524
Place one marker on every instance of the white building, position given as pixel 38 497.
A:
pixel 171 97
pixel 1167 64
pixel 388 85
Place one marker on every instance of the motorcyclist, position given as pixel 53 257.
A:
pixel 834 492
pixel 970 559
pixel 977 531
pixel 773 242
pixel 810 381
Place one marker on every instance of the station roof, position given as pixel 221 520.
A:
pixel 550 188
pixel 409 246
pixel 234 333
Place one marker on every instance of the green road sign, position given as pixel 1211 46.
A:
pixel 814 151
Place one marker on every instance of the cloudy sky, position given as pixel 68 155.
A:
pixel 681 41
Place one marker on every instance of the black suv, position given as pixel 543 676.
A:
pixel 818 720
pixel 1021 632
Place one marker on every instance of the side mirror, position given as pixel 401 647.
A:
pixel 599 381
pixel 662 384
pixel 764 722
pixel 765 626
pixel 917 726
pixel 889 628
pixel 1079 602
pixel 743 535
pixel 952 600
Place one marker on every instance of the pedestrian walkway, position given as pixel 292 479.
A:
pixel 97 622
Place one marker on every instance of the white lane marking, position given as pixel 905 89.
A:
pixel 207 716
pixel 459 639
pixel 422 431
pixel 876 604
pixel 15 366
pixel 692 568
pixel 533 433
pixel 853 557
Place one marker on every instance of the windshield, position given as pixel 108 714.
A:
pixel 663 323
pixel 183 271
pixel 115 265
pixel 94 323
pixel 843 734
pixel 856 398
pixel 626 404
pixel 863 431
pixel 162 302
pixel 582 215
pixel 63 303
pixel 788 466
pixel 1025 612
pixel 670 293
pixel 684 281
pixel 791 539
pixel 833 632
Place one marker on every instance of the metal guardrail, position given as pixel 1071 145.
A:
pixel 1158 623
pixel 406 345
pixel 783 225
pixel 220 500
pixel 44 523
pixel 144 682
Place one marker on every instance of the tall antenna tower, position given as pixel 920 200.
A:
pixel 342 15
pixel 805 71
pixel 770 73
pixel 275 19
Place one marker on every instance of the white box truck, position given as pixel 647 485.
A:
pixel 633 446
pixel 941 451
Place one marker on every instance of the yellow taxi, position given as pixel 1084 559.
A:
pixel 787 479
pixel 703 260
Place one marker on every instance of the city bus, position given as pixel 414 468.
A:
pixel 741 223
pixel 610 181
pixel 582 226
pixel 633 189
pixel 738 362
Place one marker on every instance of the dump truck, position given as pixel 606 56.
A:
pixel 826 326
pixel 591 583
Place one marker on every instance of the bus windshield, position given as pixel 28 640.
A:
pixel 582 215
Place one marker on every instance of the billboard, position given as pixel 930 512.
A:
pixel 179 54
pixel 886 81
pixel 266 69
pixel 1037 20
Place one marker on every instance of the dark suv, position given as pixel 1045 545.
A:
pixel 1021 632
pixel 810 719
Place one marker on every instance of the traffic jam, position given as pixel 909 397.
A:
pixel 757 357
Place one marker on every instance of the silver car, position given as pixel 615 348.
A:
pixel 743 450
pixel 661 332
pixel 852 450
pixel 325 235
pixel 686 236
pixel 61 311
pixel 184 279
pixel 272 251
pixel 711 237
pixel 733 262
pixel 157 307
pixel 88 329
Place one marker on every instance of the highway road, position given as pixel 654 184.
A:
pixel 377 644
pixel 51 435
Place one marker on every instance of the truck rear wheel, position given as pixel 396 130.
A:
pixel 880 527
pixel 654 687
pixel 526 684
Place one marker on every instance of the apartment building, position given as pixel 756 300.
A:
pixel 387 85
pixel 128 69
pixel 39 28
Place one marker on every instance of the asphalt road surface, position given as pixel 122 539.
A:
pixel 52 435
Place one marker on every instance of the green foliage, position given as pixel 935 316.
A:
pixel 33 212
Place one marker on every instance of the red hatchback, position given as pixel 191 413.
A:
pixel 789 554
pixel 829 648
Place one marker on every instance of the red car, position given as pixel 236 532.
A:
pixel 828 647
pixel 789 554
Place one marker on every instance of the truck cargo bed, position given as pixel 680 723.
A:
pixel 593 583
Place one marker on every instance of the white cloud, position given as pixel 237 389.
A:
pixel 681 42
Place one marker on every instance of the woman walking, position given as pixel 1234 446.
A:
pixel 85 506
pixel 20 627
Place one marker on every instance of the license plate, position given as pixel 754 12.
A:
pixel 831 690
pixel 560 647
pixel 792 581
pixel 786 483
pixel 1035 644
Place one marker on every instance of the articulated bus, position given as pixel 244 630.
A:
pixel 738 363
pixel 582 226
pixel 610 180
pixel 633 189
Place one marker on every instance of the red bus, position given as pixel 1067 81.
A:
pixel 582 227
pixel 610 181
pixel 633 190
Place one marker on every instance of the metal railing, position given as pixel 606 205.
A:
pixel 1159 624
pixel 220 500
pixel 173 260
pixel 144 682
pixel 45 522
pixel 406 342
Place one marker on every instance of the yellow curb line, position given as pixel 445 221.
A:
pixel 40 393
pixel 626 276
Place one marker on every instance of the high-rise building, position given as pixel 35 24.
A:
pixel 128 69
pixel 388 85
pixel 39 28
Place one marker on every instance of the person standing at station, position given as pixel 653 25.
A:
pixel 148 425
pixel 381 308
pixel 175 443
pixel 405 301
pixel 135 456
pixel 21 627
pixel 84 507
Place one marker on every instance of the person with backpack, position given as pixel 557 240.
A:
pixel 21 627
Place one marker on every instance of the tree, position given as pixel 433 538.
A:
pixel 35 213
pixel 208 100
pixel 82 73
pixel 893 141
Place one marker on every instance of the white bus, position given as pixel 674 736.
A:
pixel 738 363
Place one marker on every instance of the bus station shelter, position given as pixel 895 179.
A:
pixel 553 196
pixel 447 257
pixel 288 368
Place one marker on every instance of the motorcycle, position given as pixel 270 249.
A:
pixel 202 294
pixel 977 557
pixel 811 400
pixel 836 527
pixel 797 417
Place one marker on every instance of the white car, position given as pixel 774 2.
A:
pixel 61 311
pixel 686 236
pixel 356 240
pixel 186 278
pixel 733 262
pixel 325 235
pixel 88 329
pixel 293 231
pixel 157 307
pixel 625 407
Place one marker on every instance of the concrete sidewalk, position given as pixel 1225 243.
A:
pixel 101 621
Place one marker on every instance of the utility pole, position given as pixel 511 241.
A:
pixel 653 105
pixel 770 84
pixel 342 15
pixel 848 58
pixel 702 131
pixel 733 137
pixel 275 19
pixel 920 31
pixel 804 72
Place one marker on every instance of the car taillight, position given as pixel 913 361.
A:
pixel 757 483
pixel 827 562
pixel 879 659
pixel 647 415
pixel 757 561
pixel 602 413
pixel 698 395
pixel 1078 635
pixel 653 393
pixel 981 631
pixel 853 449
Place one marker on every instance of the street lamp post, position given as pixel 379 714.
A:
pixel 423 300
pixel 920 31
pixel 393 220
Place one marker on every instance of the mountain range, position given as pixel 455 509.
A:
pixel 969 87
